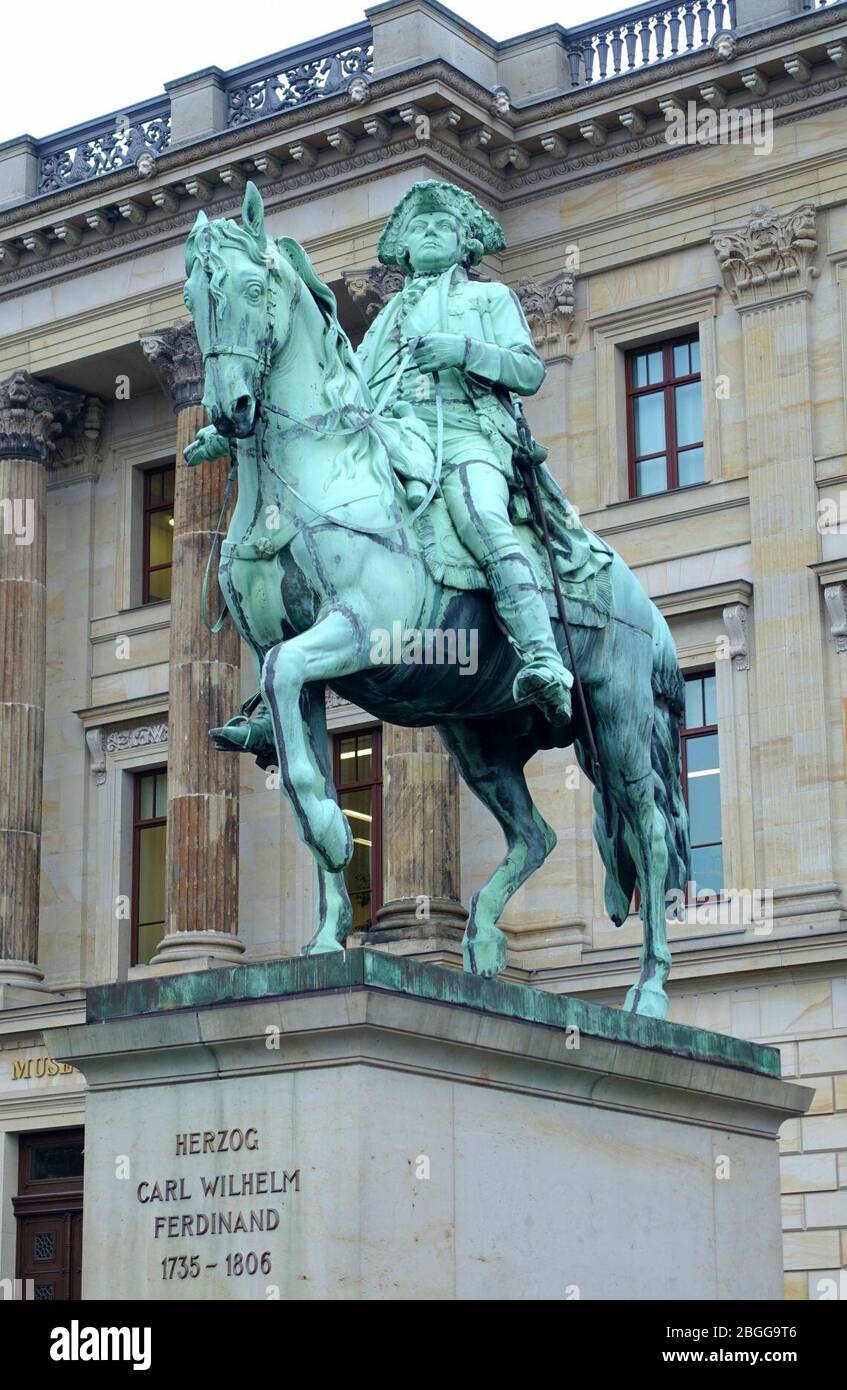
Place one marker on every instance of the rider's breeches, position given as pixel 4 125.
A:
pixel 477 497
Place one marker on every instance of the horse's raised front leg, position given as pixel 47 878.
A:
pixel 331 648
pixel 333 912
pixel 492 761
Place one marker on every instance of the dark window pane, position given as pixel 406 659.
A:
pixel 160 549
pixel 689 414
pixel 168 485
pixel 655 366
pixel 347 762
pixel 45 1246
pixel 56 1161
pixel 695 355
pixel 681 361
pixel 710 696
pixel 149 937
pixel 639 369
pixel 358 808
pixel 161 793
pixel 691 467
pixel 703 754
pixel 154 488
pixel 649 423
pixel 651 475
pixel 707 869
pixel 364 759
pixel 159 584
pixel 694 703
pixel 43 1293
pixel 704 808
pixel 146 798
pixel 151 874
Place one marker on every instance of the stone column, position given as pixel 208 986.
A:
pixel 205 691
pixel 420 830
pixel 769 269
pixel 33 415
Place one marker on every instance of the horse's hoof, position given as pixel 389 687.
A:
pixel 485 954
pixel 320 945
pixel 648 1000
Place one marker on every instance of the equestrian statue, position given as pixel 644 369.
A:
pixel 399 483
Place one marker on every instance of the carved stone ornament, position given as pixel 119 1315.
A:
pixel 771 255
pixel 373 287
pixel 101 743
pixel 835 597
pixel 174 353
pixel 549 309
pixel 34 416
pixel 735 621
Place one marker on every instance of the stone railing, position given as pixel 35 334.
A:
pixel 101 147
pixel 634 38
pixel 298 75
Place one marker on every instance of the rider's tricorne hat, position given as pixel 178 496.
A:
pixel 434 195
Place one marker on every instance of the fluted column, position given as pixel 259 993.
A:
pixel 205 685
pixel 420 819
pixel 33 417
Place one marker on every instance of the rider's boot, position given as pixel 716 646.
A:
pixel 543 678
pixel 248 732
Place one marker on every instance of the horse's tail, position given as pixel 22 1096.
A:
pixel 665 760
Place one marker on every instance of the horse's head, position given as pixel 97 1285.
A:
pixel 234 274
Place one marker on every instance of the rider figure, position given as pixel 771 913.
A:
pixel 475 336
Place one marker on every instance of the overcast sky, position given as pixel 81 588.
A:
pixel 63 63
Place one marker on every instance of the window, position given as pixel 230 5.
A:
pixel 149 837
pixel 158 540
pixel 664 417
pixel 357 769
pixel 701 781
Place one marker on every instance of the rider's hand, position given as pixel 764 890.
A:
pixel 440 350
pixel 207 445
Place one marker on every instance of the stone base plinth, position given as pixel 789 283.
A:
pixel 358 1126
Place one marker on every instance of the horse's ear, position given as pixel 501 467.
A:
pixel 200 221
pixel 253 212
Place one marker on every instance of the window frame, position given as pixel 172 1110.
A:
pixel 685 735
pixel 139 825
pixel 372 731
pixel 147 510
pixel 667 386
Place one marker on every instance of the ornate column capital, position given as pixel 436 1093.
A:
pixel 771 255
pixel 174 353
pixel 549 310
pixel 373 287
pixel 33 416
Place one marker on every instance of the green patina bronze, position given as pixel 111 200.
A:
pixel 375 970
pixel 389 486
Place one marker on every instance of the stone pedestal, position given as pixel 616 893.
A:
pixel 204 692
pixel 360 1127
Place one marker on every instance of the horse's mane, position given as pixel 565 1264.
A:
pixel 203 244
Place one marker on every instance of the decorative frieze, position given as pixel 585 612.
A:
pixel 549 310
pixel 770 255
pixel 100 743
pixel 175 356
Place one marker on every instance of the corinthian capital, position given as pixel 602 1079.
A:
pixel 373 287
pixel 771 255
pixel 174 353
pixel 549 310
pixel 34 415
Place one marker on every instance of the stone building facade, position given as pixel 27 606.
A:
pixel 630 238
